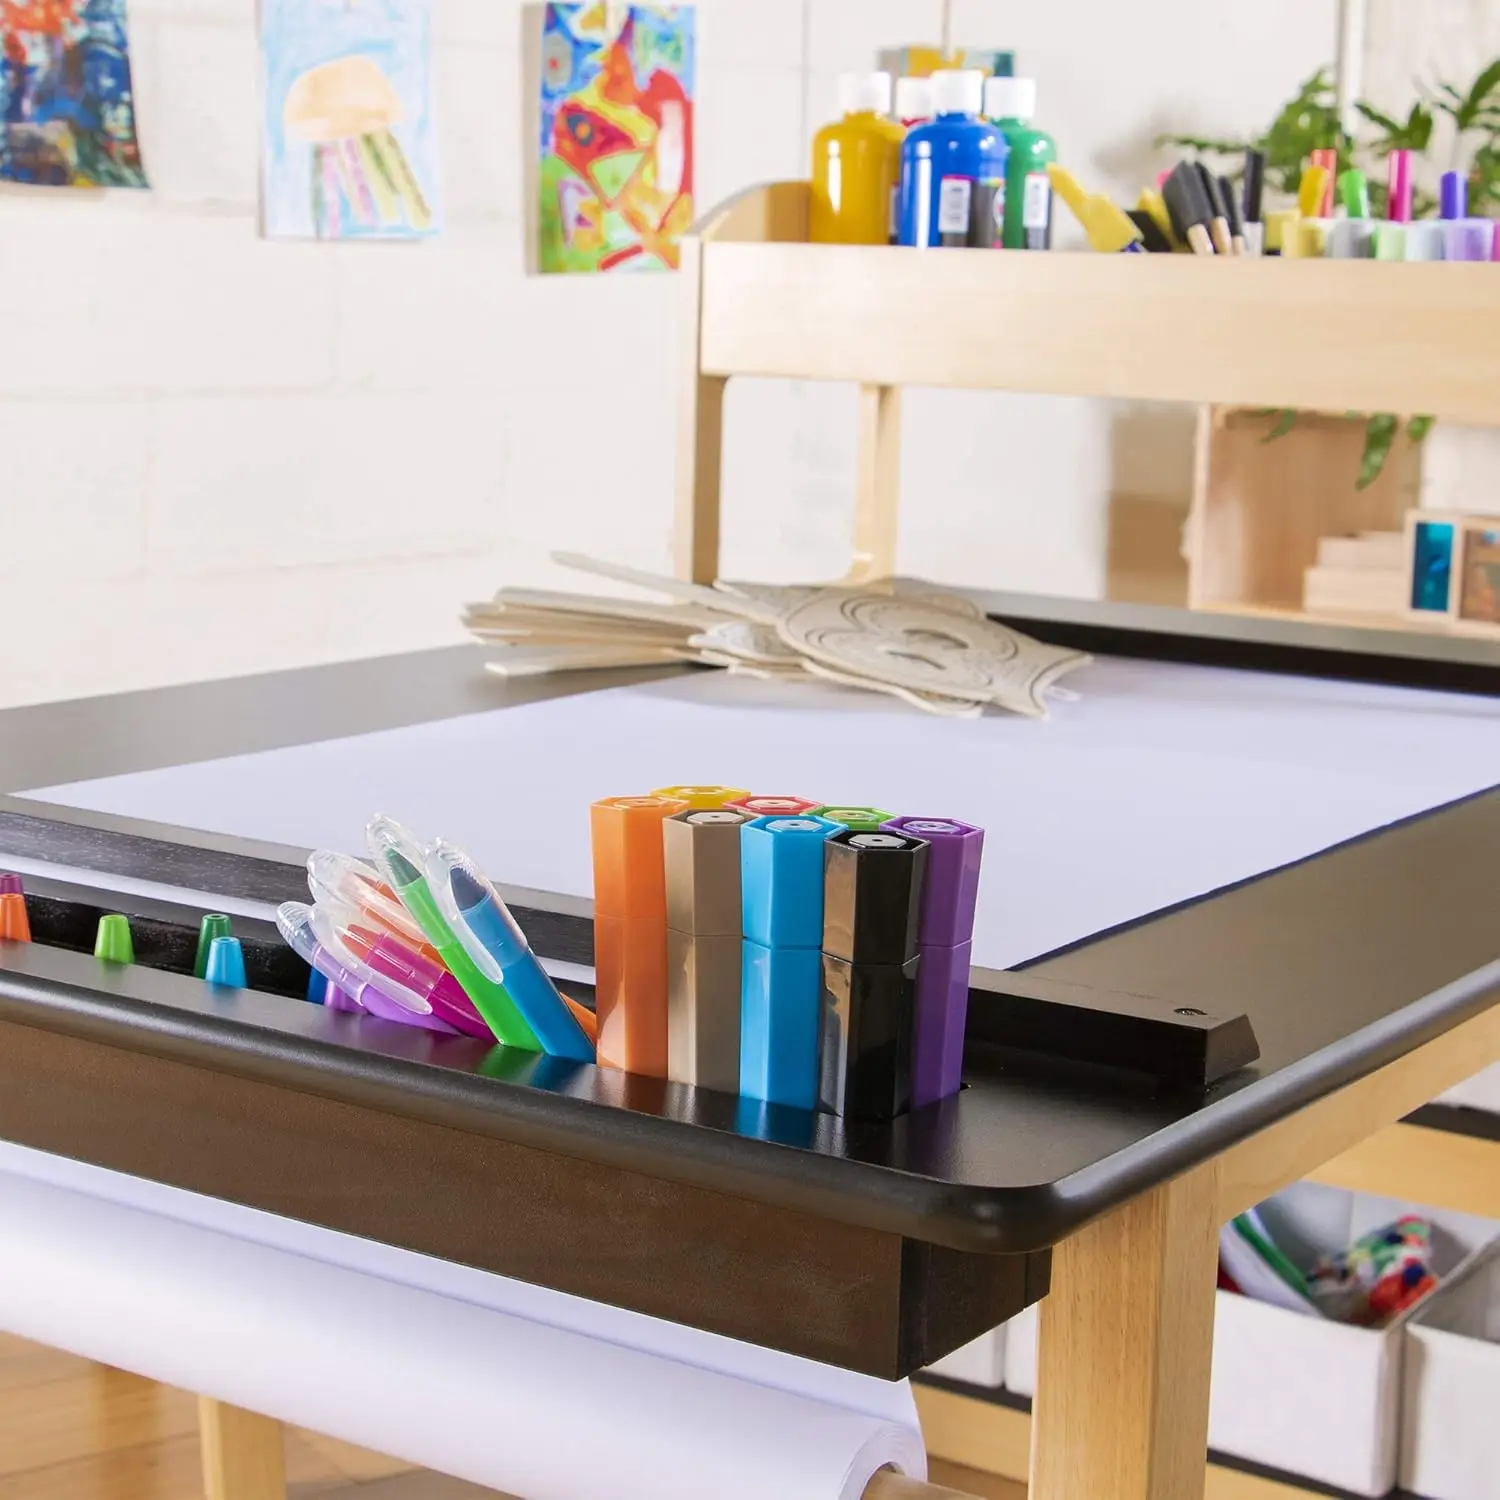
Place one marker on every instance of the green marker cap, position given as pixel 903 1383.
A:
pixel 1355 190
pixel 114 944
pixel 214 925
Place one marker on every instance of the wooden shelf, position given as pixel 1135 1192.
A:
pixel 1318 335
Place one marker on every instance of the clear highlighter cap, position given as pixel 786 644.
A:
pixel 352 882
pixel 329 924
pixel 386 838
pixel 443 860
pixel 294 922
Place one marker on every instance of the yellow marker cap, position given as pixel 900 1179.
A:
pixel 1313 190
pixel 1151 202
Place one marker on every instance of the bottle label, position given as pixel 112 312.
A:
pixel 895 220
pixel 1036 207
pixel 955 205
pixel 989 214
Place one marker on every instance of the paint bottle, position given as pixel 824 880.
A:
pixel 913 101
pixel 857 166
pixel 1010 105
pixel 953 170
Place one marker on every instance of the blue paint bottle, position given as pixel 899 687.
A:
pixel 953 170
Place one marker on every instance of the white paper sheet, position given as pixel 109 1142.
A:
pixel 1159 784
pixel 508 1385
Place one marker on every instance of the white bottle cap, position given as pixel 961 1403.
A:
pixel 865 93
pixel 1009 98
pixel 957 93
pixel 913 98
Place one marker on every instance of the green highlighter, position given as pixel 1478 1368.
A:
pixel 399 856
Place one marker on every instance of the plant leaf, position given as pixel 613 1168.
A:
pixel 1283 425
pixel 1380 434
pixel 1418 428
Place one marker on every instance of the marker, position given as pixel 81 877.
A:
pixel 1463 238
pixel 1106 224
pixel 1231 206
pixel 1353 238
pixel 781 880
pixel 630 931
pixel 873 883
pixel 861 819
pixel 1354 187
pixel 1316 184
pixel 701 850
pixel 342 878
pixel 702 798
pixel 1400 187
pixel 398 856
pixel 491 936
pixel 113 943
pixel 226 964
pixel 772 807
pixel 352 986
pixel 1253 202
pixel 1306 239
pixel 15 924
pixel 1190 210
pixel 1218 223
pixel 214 925
pixel 945 936
pixel 1327 160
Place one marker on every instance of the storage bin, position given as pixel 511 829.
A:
pixel 1296 1393
pixel 1450 1420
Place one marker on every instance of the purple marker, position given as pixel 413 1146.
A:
pixel 1463 238
pixel 10 885
pixel 945 941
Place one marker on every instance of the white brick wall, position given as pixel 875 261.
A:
pixel 222 455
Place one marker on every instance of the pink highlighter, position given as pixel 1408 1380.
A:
pixel 393 967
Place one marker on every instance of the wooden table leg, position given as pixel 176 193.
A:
pixel 244 1456
pixel 1126 1351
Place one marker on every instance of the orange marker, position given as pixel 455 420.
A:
pixel 630 931
pixel 15 925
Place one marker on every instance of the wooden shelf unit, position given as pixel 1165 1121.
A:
pixel 1331 336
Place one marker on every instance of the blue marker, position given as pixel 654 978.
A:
pixel 781 973
pixel 482 923
pixel 226 964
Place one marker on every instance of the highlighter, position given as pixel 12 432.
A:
pixel 1106 224
pixel 1316 182
pixel 15 924
pixel 341 877
pixel 399 857
pixel 482 922
pixel 396 971
pixel 312 936
pixel 1354 237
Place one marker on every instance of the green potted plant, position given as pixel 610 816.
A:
pixel 1310 121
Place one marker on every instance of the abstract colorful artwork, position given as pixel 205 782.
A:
pixel 923 62
pixel 67 109
pixel 349 147
pixel 616 136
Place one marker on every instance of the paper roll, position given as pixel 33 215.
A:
pixel 495 1397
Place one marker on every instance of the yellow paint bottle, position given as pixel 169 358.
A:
pixel 857 166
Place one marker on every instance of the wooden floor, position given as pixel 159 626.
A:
pixel 70 1430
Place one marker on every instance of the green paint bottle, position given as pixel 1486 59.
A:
pixel 1010 105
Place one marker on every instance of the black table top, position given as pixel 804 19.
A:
pixel 1343 962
